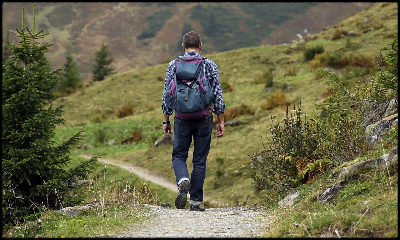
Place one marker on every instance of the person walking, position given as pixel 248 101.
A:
pixel 193 90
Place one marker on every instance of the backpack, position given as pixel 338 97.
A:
pixel 189 93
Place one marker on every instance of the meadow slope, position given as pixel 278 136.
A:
pixel 93 108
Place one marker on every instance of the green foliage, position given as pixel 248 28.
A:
pixel 273 172
pixel 340 119
pixel 100 135
pixel 284 86
pixel 385 85
pixel 101 67
pixel 267 78
pixel 71 75
pixel 155 24
pixel 302 150
pixel 33 176
pixel 309 53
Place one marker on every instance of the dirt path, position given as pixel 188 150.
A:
pixel 232 222
pixel 141 172
pixel 229 222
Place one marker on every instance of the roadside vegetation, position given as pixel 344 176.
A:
pixel 111 199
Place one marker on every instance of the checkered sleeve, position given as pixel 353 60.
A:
pixel 169 76
pixel 213 75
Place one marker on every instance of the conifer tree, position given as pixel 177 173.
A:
pixel 34 168
pixel 70 73
pixel 101 66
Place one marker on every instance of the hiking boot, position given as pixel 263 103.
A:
pixel 183 189
pixel 198 207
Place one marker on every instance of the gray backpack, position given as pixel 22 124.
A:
pixel 189 93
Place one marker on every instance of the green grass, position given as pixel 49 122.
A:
pixel 87 224
pixel 115 196
pixel 366 207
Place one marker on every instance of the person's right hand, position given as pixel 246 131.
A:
pixel 167 130
pixel 220 130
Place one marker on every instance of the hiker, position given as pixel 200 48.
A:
pixel 193 90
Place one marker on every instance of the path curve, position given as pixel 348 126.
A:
pixel 141 172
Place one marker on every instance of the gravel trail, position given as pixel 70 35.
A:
pixel 229 222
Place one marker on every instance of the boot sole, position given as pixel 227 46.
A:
pixel 181 199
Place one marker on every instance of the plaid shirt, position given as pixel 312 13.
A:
pixel 212 76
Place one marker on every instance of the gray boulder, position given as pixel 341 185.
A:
pixel 164 140
pixel 267 90
pixel 73 211
pixel 381 163
pixel 379 111
pixel 352 34
pixel 391 108
pixel 375 131
pixel 234 123
pixel 112 142
pixel 331 71
pixel 289 199
pixel 330 192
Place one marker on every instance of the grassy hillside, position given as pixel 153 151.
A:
pixel 93 109
pixel 146 34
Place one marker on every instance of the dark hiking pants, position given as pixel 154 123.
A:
pixel 184 130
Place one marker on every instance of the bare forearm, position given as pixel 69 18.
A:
pixel 221 118
pixel 166 118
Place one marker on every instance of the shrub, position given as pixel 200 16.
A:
pixel 124 111
pixel 234 112
pixel 284 86
pixel 98 118
pixel 274 100
pixel 265 78
pixel 137 135
pixel 385 85
pixel 100 135
pixel 338 34
pixel 339 61
pixel 291 71
pixel 226 87
pixel 309 53
pixel 319 60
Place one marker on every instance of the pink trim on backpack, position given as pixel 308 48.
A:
pixel 197 115
pixel 172 90
pixel 202 89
